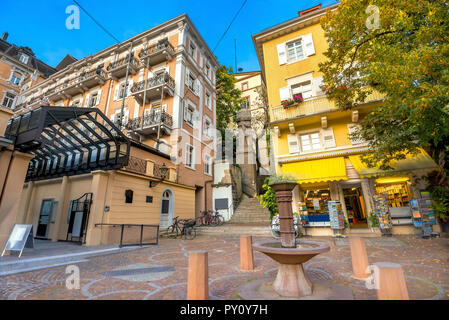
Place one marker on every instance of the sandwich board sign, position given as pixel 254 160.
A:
pixel 21 237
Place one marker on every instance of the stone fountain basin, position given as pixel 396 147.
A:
pixel 304 251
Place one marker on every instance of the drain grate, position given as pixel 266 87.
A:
pixel 133 272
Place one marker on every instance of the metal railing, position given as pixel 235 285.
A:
pixel 140 227
pixel 162 45
pixel 150 119
pixel 121 62
pixel 310 106
pixel 136 165
pixel 160 79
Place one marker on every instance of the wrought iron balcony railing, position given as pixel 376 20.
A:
pixel 121 62
pixel 161 46
pixel 311 106
pixel 151 119
pixel 160 79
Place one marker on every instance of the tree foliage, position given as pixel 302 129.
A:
pixel 268 198
pixel 406 59
pixel 228 97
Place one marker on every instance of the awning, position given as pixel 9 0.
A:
pixel 312 171
pixel 420 163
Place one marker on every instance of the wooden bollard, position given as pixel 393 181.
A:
pixel 391 282
pixel 246 254
pixel 198 276
pixel 359 257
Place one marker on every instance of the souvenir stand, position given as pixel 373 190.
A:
pixel 427 215
pixel 337 218
pixel 382 210
pixel 302 212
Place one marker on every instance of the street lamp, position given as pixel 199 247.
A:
pixel 163 173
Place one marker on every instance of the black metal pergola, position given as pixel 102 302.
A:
pixel 68 141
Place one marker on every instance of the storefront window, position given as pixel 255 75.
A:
pixel 316 201
pixel 398 193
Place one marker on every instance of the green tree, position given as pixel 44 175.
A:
pixel 405 58
pixel 268 198
pixel 228 97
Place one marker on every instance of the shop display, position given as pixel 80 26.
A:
pixel 302 212
pixel 336 216
pixel 397 194
pixel 416 214
pixel 382 210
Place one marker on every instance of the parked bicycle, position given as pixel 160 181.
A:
pixel 275 227
pixel 182 227
pixel 210 218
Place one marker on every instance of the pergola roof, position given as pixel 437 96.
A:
pixel 68 141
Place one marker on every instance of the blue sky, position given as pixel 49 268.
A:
pixel 40 24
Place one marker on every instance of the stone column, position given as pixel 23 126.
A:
pixel 284 201
pixel 342 200
pixel 98 188
pixel 12 192
pixel 62 199
pixel 21 217
pixel 246 152
pixel 367 196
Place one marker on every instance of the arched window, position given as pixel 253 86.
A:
pixel 129 196
pixel 165 202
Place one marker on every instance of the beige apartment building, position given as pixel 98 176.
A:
pixel 18 65
pixel 134 109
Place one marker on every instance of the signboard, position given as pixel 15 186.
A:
pixel 221 204
pixel 21 237
pixel 316 204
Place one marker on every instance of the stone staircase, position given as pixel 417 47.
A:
pixel 250 211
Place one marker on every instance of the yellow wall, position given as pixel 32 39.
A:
pixel 276 74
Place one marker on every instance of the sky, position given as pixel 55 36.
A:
pixel 41 24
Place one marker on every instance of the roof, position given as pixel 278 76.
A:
pixel 68 59
pixel 287 27
pixel 13 51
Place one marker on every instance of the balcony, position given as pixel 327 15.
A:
pixel 311 106
pixel 84 82
pixel 158 53
pixel 54 94
pixel 118 68
pixel 37 102
pixel 148 124
pixel 148 168
pixel 155 86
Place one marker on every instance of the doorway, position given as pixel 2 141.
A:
pixel 166 209
pixel 44 218
pixel 355 207
pixel 78 218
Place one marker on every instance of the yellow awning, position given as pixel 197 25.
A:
pixel 421 162
pixel 312 171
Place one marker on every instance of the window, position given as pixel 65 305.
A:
pixel 190 154
pixel 93 100
pixel 191 81
pixel 121 91
pixel 310 142
pixel 304 88
pixel 23 58
pixel 149 199
pixel 207 128
pixel 192 49
pixel 207 164
pixel 189 113
pixel 246 104
pixel 129 196
pixel 244 86
pixel 76 103
pixel 8 100
pixel 208 100
pixel 295 51
pixel 207 70
pixel 16 77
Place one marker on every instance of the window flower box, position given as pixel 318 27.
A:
pixel 292 102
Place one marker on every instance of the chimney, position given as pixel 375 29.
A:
pixel 303 12
pixel 5 36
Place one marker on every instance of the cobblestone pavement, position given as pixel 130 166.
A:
pixel 160 272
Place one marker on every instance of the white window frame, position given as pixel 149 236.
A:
pixel 190 110
pixel 208 164
pixel 91 104
pixel 310 140
pixel 24 58
pixel 207 131
pixel 296 57
pixel 207 69
pixel 312 94
pixel 11 101
pixel 208 101
pixel 190 150
pixel 192 54
pixel 14 77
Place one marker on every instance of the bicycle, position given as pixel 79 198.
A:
pixel 182 227
pixel 210 217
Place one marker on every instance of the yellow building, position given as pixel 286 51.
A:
pixel 311 138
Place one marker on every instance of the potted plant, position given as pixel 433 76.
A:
pixel 374 222
pixel 297 98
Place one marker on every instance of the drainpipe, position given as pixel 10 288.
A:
pixel 205 193
pixel 126 86
pixel 145 90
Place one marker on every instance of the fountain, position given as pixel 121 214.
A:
pixel 291 281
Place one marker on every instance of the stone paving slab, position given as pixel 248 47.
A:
pixel 128 274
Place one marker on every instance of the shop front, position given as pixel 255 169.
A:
pixel 356 188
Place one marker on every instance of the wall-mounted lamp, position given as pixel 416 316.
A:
pixel 163 172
